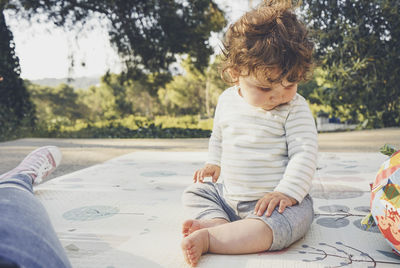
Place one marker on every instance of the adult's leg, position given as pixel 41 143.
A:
pixel 27 237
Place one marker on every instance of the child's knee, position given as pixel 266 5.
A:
pixel 196 191
pixel 198 188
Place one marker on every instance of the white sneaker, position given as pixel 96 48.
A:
pixel 38 164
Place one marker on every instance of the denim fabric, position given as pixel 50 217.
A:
pixel 4 263
pixel 27 237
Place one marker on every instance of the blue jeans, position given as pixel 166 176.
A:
pixel 27 237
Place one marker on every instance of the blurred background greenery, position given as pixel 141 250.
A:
pixel 356 77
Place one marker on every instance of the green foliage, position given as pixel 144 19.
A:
pixel 60 102
pixel 185 93
pixel 314 89
pixel 358 46
pixel 185 121
pixel 315 93
pixel 129 127
pixel 388 150
pixel 115 98
pixel 118 131
pixel 194 92
pixel 147 34
pixel 16 111
pixel 119 108
pixel 106 101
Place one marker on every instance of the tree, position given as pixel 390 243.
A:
pixel 58 103
pixel 185 93
pixel 358 47
pixel 147 34
pixel 16 110
pixel 194 92
pixel 101 102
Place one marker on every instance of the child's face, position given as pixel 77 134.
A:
pixel 265 95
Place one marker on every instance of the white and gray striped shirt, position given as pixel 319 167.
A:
pixel 263 151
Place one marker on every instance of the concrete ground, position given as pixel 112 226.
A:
pixel 82 153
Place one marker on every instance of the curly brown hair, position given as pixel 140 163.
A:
pixel 268 42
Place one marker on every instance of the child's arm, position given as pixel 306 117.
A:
pixel 302 144
pixel 214 144
pixel 212 167
pixel 301 138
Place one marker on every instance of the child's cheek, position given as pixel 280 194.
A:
pixel 289 95
pixel 255 96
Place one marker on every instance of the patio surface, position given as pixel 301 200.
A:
pixel 82 153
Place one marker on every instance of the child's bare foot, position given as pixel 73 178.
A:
pixel 194 245
pixel 189 226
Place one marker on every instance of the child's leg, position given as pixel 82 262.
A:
pixel 251 235
pixel 189 226
pixel 239 237
pixel 205 207
pixel 27 236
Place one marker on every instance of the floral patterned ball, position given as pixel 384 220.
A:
pixel 385 200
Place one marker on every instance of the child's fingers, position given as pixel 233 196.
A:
pixel 216 175
pixel 201 176
pixel 195 176
pixel 271 206
pixel 262 202
pixel 283 204
pixel 257 206
pixel 261 208
pixel 198 175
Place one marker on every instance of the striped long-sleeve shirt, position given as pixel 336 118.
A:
pixel 263 151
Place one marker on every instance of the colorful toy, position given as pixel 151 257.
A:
pixel 385 199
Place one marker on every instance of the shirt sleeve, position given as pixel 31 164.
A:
pixel 215 142
pixel 302 144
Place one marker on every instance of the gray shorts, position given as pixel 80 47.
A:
pixel 206 201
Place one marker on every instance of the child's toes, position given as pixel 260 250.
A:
pixel 189 251
pixel 186 227
pixel 194 260
pixel 193 246
pixel 194 256
pixel 190 226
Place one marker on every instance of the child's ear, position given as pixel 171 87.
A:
pixel 234 74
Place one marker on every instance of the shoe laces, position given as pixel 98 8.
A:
pixel 36 166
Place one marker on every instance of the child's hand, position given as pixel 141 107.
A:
pixel 271 200
pixel 207 171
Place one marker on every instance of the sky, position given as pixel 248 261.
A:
pixel 44 50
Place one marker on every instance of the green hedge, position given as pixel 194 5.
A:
pixel 119 131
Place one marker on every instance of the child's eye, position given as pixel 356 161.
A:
pixel 265 89
pixel 289 87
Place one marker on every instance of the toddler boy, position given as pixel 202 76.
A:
pixel 263 146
